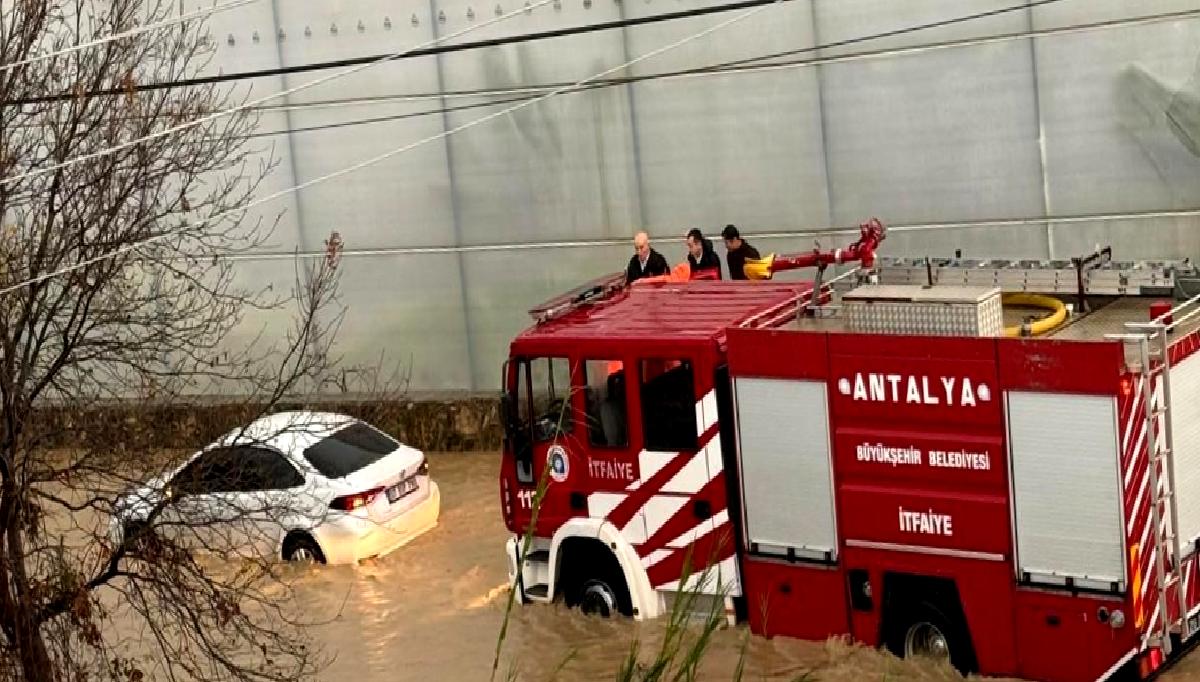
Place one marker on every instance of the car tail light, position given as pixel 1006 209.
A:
pixel 355 501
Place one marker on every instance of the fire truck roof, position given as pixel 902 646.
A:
pixel 695 310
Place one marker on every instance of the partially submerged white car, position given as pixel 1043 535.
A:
pixel 301 486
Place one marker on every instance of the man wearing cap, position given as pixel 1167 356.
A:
pixel 646 262
pixel 737 251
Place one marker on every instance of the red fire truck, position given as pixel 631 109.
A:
pixel 905 459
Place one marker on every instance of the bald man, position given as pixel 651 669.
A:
pixel 646 262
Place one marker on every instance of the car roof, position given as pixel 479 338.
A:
pixel 289 432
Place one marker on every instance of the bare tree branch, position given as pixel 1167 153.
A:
pixel 152 325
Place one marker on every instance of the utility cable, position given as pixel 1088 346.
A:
pixel 126 34
pixel 411 54
pixel 713 70
pixel 400 150
pixel 744 66
pixel 710 69
pixel 283 93
pixel 764 236
pixel 533 90
pixel 823 46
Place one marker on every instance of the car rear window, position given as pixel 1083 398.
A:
pixel 348 450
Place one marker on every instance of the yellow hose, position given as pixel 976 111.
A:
pixel 1048 323
pixel 759 268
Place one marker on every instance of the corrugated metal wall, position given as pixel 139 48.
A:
pixel 1008 131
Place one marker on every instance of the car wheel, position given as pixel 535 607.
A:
pixel 302 549
pixel 139 538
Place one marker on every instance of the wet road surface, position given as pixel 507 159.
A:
pixel 433 610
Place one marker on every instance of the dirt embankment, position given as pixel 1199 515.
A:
pixel 467 423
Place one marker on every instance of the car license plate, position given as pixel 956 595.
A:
pixel 401 489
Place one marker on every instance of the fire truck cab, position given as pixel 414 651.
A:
pixel 614 399
pixel 911 462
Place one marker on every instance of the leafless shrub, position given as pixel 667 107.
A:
pixel 78 600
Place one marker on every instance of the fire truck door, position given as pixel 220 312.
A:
pixel 611 461
pixel 545 443
pixel 635 409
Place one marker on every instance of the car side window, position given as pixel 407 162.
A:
pixel 237 469
pixel 258 469
pixel 210 472
pixel 279 473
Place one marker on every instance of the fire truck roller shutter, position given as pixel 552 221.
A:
pixel 1065 467
pixel 1185 439
pixel 787 486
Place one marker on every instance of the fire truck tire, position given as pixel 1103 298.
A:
pixel 598 598
pixel 922 628
pixel 592 581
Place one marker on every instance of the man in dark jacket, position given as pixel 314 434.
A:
pixel 646 262
pixel 700 253
pixel 738 251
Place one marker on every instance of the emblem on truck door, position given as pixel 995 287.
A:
pixel 559 463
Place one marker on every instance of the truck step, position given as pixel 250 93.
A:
pixel 538 592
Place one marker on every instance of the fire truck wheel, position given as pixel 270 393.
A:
pixel 593 582
pixel 923 630
pixel 598 599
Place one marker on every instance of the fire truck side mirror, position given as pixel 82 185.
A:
pixel 509 420
pixel 506 413
pixel 506 410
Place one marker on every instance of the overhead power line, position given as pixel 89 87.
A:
pixel 241 107
pixel 832 230
pixel 743 66
pixel 534 90
pixel 600 83
pixel 395 152
pixel 126 34
pixel 411 54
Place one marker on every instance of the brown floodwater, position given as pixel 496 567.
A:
pixel 433 610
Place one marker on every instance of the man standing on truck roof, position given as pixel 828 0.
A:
pixel 701 256
pixel 646 262
pixel 738 251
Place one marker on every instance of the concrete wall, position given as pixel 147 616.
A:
pixel 1009 132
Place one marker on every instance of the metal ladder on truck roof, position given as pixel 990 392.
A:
pixel 1154 354
pixel 1095 274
